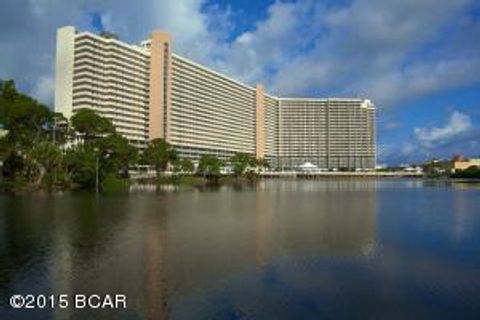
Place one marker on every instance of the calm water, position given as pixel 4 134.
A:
pixel 355 249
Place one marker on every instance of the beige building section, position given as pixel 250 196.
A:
pixel 149 92
pixel 210 112
pixel 260 121
pixel 465 164
pixel 334 133
pixel 160 85
pixel 64 60
pixel 107 76
pixel 271 128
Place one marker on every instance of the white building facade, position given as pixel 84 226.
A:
pixel 149 92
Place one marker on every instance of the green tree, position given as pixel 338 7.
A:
pixel 23 120
pixel 90 124
pixel 45 157
pixel 159 154
pixel 187 166
pixel 21 116
pixel 262 163
pixel 4 148
pixel 472 172
pixel 13 164
pixel 209 166
pixel 111 156
pixel 80 164
pixel 7 89
pixel 116 155
pixel 240 162
pixel 184 165
pixel 58 129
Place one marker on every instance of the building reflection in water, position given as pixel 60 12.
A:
pixel 336 217
pixel 118 246
pixel 462 212
pixel 165 251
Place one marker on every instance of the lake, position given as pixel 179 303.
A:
pixel 277 249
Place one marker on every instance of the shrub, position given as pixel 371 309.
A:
pixel 114 184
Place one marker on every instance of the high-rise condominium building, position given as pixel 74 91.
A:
pixel 330 133
pixel 149 92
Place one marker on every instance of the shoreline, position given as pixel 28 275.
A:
pixel 191 181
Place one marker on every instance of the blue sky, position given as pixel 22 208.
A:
pixel 418 60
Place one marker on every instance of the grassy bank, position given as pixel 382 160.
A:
pixel 196 180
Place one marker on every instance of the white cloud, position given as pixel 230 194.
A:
pixel 458 135
pixel 198 32
pixel 373 48
pixel 44 89
pixel 27 41
pixel 380 49
pixel 28 29
pixel 458 123
pixel 258 54
pixel 391 125
pixel 419 79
